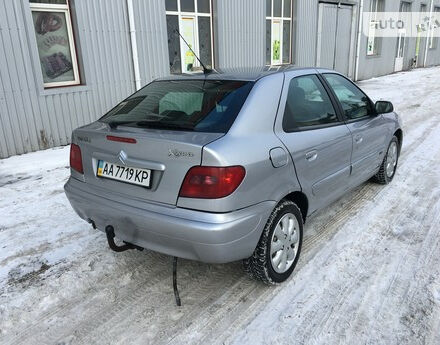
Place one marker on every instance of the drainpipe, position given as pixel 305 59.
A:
pixel 134 50
pixel 429 34
pixel 359 36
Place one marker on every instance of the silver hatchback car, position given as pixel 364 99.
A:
pixel 227 166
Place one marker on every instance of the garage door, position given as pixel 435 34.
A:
pixel 335 37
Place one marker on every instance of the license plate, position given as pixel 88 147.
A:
pixel 141 177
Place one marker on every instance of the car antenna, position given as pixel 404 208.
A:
pixel 205 69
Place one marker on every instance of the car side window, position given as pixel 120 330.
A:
pixel 355 103
pixel 307 104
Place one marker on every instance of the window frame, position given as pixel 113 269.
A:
pixel 340 107
pixel 377 41
pixel 182 14
pixel 282 19
pixel 66 11
pixel 334 102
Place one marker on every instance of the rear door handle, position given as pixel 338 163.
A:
pixel 311 155
pixel 358 139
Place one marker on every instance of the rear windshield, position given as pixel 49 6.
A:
pixel 190 105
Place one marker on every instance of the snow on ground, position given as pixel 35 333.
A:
pixel 369 271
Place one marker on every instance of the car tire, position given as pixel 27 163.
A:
pixel 388 167
pixel 281 240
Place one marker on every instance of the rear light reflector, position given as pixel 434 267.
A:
pixel 76 158
pixel 121 139
pixel 211 182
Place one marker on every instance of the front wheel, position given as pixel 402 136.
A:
pixel 389 165
pixel 278 250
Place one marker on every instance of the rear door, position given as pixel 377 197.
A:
pixel 319 142
pixel 368 129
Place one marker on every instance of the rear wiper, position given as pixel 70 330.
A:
pixel 115 124
pixel 164 125
pixel 152 124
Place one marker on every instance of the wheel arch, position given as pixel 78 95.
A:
pixel 399 135
pixel 301 200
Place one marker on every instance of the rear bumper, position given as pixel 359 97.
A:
pixel 195 235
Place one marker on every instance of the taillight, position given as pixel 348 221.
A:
pixel 211 182
pixel 76 159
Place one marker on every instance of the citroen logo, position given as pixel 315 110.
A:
pixel 122 157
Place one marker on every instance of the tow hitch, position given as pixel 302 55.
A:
pixel 110 232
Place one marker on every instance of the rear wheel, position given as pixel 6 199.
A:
pixel 278 250
pixel 389 165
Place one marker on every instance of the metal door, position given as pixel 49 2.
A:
pixel 405 6
pixel 328 17
pixel 343 39
pixel 421 39
pixel 335 33
pixel 398 64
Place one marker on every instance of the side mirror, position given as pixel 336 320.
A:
pixel 383 107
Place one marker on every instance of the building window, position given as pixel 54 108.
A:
pixel 56 46
pixel 278 32
pixel 433 40
pixel 374 43
pixel 193 19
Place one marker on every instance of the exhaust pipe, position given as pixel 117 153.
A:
pixel 110 232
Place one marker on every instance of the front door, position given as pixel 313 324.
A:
pixel 319 142
pixel 369 131
pixel 335 37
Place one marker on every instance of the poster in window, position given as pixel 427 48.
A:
pixel 371 38
pixel 188 33
pixel 53 46
pixel 276 42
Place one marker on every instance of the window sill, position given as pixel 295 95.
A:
pixel 63 90
pixel 374 56
pixel 279 65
